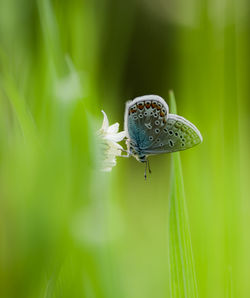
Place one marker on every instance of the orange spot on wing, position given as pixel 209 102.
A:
pixel 162 114
pixel 140 106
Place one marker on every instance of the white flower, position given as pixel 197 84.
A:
pixel 110 137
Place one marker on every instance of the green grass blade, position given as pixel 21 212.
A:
pixel 182 270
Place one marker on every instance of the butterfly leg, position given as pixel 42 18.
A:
pixel 147 167
pixel 127 155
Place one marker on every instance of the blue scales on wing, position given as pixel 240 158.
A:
pixel 152 130
pixel 145 116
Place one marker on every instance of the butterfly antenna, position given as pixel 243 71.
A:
pixel 149 169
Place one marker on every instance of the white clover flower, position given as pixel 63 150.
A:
pixel 110 137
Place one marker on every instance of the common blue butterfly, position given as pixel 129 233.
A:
pixel 150 129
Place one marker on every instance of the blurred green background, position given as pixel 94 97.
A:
pixel 67 230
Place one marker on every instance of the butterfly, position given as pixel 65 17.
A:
pixel 151 129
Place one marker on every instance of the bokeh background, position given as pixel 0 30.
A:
pixel 67 230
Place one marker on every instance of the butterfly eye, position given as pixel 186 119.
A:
pixel 135 117
pixel 165 130
pixel 176 134
pixel 140 116
pixel 171 144
pixel 148 104
pixel 145 114
pixel 150 138
pixel 170 132
pixel 158 140
pixel 157 122
pixel 157 130
pixel 155 115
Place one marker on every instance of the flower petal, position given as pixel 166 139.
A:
pixel 116 137
pixel 113 128
pixel 113 152
pixel 108 165
pixel 105 123
pixel 108 139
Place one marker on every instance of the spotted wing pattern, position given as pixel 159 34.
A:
pixel 152 130
pixel 178 134
pixel 145 116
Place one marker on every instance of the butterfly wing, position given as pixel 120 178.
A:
pixel 178 134
pixel 144 117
